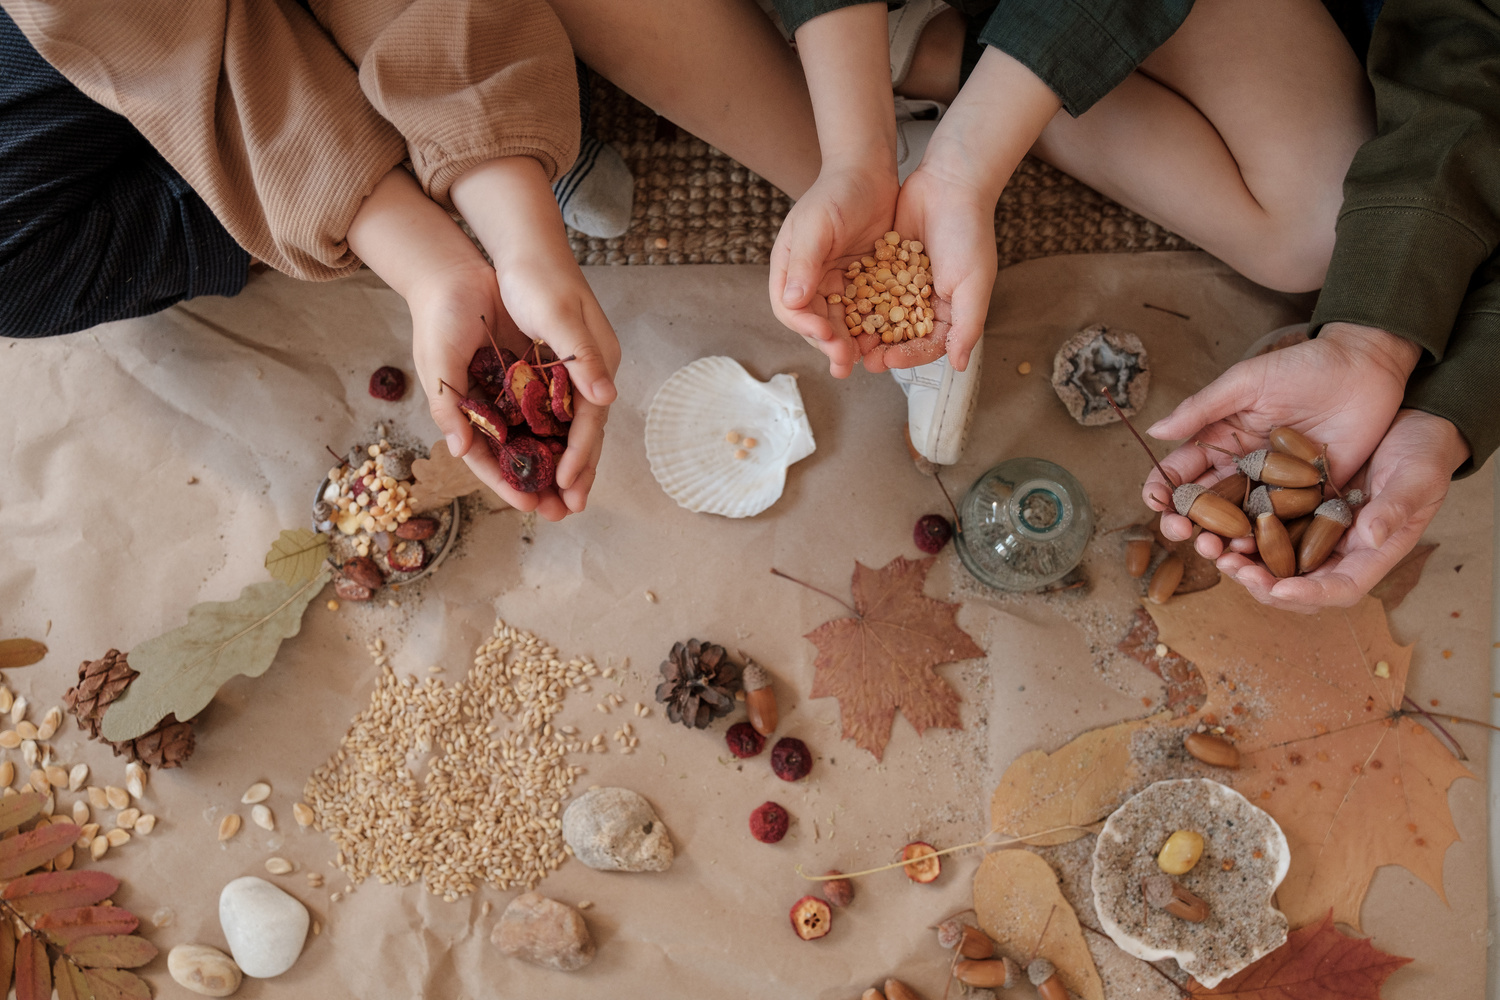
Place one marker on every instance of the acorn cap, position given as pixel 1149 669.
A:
pixel 1039 971
pixel 1335 510
pixel 754 676
pixel 1158 890
pixel 1259 502
pixel 1354 498
pixel 1254 463
pixel 1184 495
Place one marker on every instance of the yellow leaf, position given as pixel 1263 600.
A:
pixel 297 556
pixel 1015 894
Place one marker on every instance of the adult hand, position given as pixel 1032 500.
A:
pixel 837 221
pixel 1407 480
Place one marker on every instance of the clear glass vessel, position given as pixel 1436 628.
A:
pixel 1025 524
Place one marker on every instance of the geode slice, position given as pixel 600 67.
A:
pixel 1100 358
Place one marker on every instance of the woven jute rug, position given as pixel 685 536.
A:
pixel 694 205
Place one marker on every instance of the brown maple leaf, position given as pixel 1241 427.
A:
pixel 1396 584
pixel 1314 703
pixel 1180 676
pixel 1316 963
pixel 882 659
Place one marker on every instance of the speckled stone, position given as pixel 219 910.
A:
pixel 544 932
pixel 204 970
pixel 616 830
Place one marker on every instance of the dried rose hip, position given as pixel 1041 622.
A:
pixel 485 418
pixel 363 571
pixel 351 591
pixel 388 383
pixel 922 861
pixel 561 394
pixel 838 891
pixel 811 918
pixel 487 370
pixel 768 823
pixel 408 557
pixel 932 533
pixel 417 529
pixel 744 741
pixel 790 759
pixel 556 445
pixel 525 463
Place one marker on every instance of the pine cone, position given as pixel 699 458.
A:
pixel 699 683
pixel 100 682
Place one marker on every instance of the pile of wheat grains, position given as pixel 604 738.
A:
pixel 423 787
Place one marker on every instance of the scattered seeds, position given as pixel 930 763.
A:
pixel 57 777
pixel 263 818
pixel 18 710
pixel 117 837
pixel 278 866
pixel 26 730
pixel 127 818
pixel 10 739
pixel 80 812
pixel 29 752
pixel 97 798
pixel 97 847
pixel 135 779
pixel 1024 368
pixel 145 824
pixel 332 605
pixel 302 814
pixel 77 777
pixel 258 792
pixel 38 781
pixel 7 699
pixel 585 904
pixel 50 722
pixel 651 597
pixel 229 826
pixel 86 835
pixel 7 773
pixel 118 798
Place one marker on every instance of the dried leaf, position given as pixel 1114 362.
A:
pixel 882 658
pixel 67 926
pixel 1015 894
pixel 60 890
pixel 1081 783
pixel 182 670
pixel 18 809
pixel 20 653
pixel 7 952
pixel 20 854
pixel 1324 745
pixel 1179 675
pixel 1316 963
pixel 116 984
pixel 1392 590
pixel 441 479
pixel 297 556
pixel 105 951
pixel 33 971
pixel 69 981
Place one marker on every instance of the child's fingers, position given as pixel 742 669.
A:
pixel 969 306
pixel 585 435
pixel 809 247
pixel 585 336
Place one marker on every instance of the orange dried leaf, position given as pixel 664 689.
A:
pixel 66 926
pixel 111 951
pixel 7 952
pixel 1324 746
pixel 116 984
pixel 1316 963
pixel 22 853
pixel 882 659
pixel 1019 905
pixel 441 479
pixel 20 653
pixel 18 809
pixel 68 980
pixel 1178 674
pixel 60 890
pixel 33 971
pixel 1080 783
pixel 1392 590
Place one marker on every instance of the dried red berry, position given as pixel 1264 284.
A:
pixel 744 741
pixel 388 383
pixel 525 463
pixel 811 918
pixel 487 371
pixel 932 533
pixel 408 557
pixel 537 409
pixel 485 417
pixel 363 571
pixel 561 394
pixel 556 445
pixel 838 891
pixel 417 529
pixel 922 861
pixel 351 591
pixel 768 823
pixel 790 759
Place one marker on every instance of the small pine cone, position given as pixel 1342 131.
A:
pixel 100 682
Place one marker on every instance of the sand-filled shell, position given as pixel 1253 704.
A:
pixel 698 434
pixel 1245 857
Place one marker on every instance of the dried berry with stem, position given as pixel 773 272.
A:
pixel 526 463
pixel 921 861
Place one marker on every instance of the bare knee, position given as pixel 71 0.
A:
pixel 1289 257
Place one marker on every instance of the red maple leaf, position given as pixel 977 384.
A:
pixel 881 659
pixel 1316 963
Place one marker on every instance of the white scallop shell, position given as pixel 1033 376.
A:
pixel 688 426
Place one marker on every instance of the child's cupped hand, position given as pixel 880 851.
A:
pixel 838 220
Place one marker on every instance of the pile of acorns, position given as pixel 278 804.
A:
pixel 523 409
pixel 1277 496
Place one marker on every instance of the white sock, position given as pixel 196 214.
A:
pixel 597 194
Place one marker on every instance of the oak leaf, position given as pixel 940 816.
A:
pixel 181 670
pixel 441 479
pixel 1019 905
pixel 1314 704
pixel 297 556
pixel 1316 963
pixel 20 653
pixel 1393 588
pixel 1080 783
pixel 882 658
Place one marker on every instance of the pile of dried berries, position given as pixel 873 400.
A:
pixel 889 293
pixel 523 409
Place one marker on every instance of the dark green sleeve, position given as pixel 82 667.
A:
pixel 1082 49
pixel 1465 386
pixel 1421 206
pixel 796 13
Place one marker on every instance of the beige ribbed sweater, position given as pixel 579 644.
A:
pixel 256 107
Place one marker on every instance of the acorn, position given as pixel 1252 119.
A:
pixel 970 941
pixel 1234 487
pixel 1163 893
pixel 1276 468
pixel 992 973
pixel 1165 580
pixel 1275 546
pixel 1210 511
pixel 1290 442
pixel 1137 551
pixel 1043 975
pixel 760 697
pixel 1296 528
pixel 1330 521
pixel 1286 502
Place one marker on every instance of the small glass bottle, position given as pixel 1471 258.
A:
pixel 1025 524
